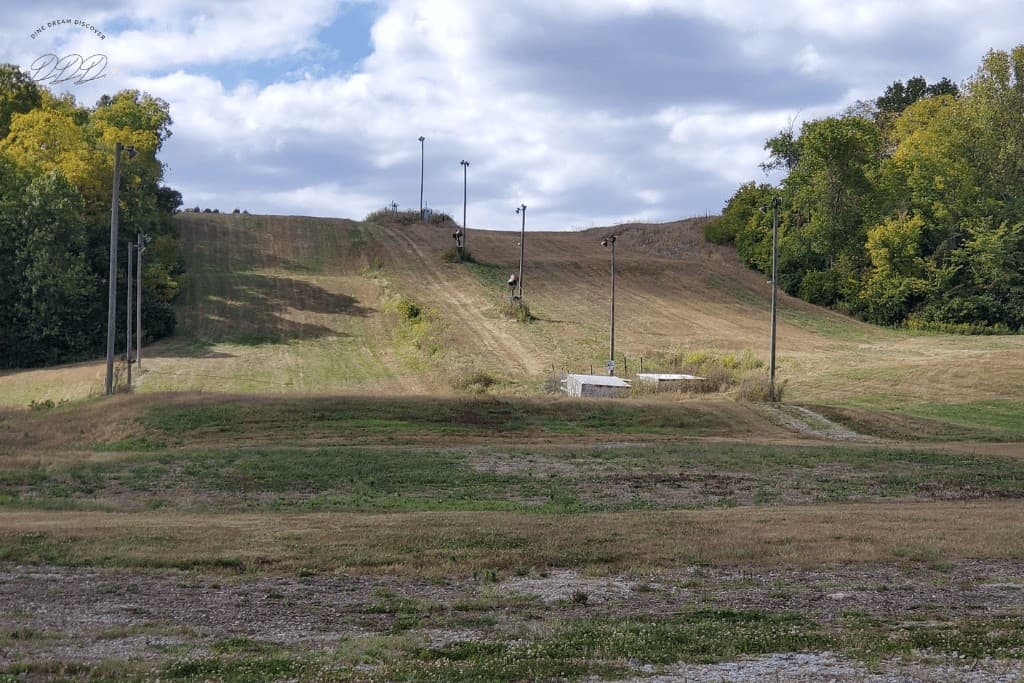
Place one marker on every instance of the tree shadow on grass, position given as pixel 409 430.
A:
pixel 251 309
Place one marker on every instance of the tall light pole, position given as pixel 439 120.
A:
pixel 421 175
pixel 143 240
pixel 522 248
pixel 610 242
pixel 465 168
pixel 112 276
pixel 776 203
pixel 128 316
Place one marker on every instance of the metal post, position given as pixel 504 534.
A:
pixel 465 167
pixel 611 352
pixel 610 242
pixel 776 202
pixel 128 317
pixel 522 248
pixel 112 276
pixel 421 175
pixel 138 303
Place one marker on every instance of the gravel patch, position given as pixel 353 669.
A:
pixel 158 616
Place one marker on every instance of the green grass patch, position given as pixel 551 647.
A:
pixel 356 417
pixel 543 478
pixel 1004 415
pixel 492 276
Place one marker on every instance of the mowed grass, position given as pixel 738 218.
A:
pixel 440 544
pixel 542 478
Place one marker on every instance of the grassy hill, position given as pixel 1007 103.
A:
pixel 344 467
pixel 279 304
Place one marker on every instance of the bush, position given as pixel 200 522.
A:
pixel 407 309
pixel 820 287
pixel 451 255
pixel 407 217
pixel 474 381
pixel 720 232
pixel 756 389
pixel 517 309
pixel 742 372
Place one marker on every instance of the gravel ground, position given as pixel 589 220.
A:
pixel 94 615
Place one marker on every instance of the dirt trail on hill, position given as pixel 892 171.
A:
pixel 447 289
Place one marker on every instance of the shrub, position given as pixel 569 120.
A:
pixel 407 217
pixel 474 381
pixel 743 373
pixel 451 255
pixel 406 308
pixel 756 389
pixel 517 309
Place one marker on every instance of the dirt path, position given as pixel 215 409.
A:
pixel 449 290
pixel 809 423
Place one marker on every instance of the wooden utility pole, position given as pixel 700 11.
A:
pixel 776 203
pixel 112 276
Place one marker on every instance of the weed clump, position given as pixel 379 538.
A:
pixel 406 308
pixel 518 310
pixel 474 381
pixel 740 373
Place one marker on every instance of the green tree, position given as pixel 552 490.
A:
pixel 898 281
pixel 18 95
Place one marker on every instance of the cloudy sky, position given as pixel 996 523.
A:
pixel 590 112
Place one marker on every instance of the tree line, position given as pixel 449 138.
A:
pixel 905 211
pixel 56 176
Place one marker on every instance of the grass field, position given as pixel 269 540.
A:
pixel 354 538
pixel 307 306
pixel 348 466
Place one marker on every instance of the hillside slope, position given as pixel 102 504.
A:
pixel 288 304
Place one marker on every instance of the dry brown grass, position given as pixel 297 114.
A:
pixel 443 544
pixel 295 305
pixel 68 433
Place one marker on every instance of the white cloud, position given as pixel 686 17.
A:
pixel 657 108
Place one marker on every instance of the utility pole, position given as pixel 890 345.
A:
pixel 465 167
pixel 522 248
pixel 143 238
pixel 112 276
pixel 610 242
pixel 776 203
pixel 422 152
pixel 128 317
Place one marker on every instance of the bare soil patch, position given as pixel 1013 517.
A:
pixel 94 615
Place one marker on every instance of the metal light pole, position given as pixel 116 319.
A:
pixel 128 317
pixel 522 248
pixel 465 167
pixel 610 242
pixel 143 239
pixel 776 203
pixel 421 175
pixel 112 276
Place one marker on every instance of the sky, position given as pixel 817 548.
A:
pixel 590 112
